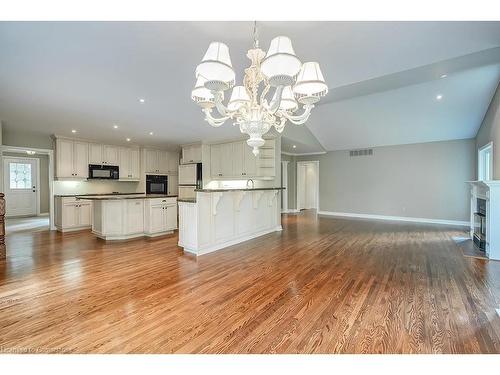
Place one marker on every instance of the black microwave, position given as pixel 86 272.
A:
pixel 103 172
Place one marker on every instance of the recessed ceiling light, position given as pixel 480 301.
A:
pixel 128 139
pixel 444 76
pixel 115 126
pixel 30 152
pixel 142 100
pixel 439 97
pixel 150 133
pixel 294 146
pixel 73 131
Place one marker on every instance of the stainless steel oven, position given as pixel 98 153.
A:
pixel 156 184
pixel 103 172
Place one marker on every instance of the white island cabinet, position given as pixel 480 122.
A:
pixel 221 218
pixel 129 216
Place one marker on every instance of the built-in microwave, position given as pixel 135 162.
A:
pixel 103 172
pixel 156 184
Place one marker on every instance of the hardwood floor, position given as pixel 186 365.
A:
pixel 323 285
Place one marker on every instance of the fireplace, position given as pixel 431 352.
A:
pixel 479 236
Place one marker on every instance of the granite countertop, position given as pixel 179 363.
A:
pixel 96 195
pixel 187 200
pixel 104 197
pixel 236 189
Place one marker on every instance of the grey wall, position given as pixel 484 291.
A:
pixel 425 180
pixel 44 177
pixel 490 132
pixel 26 139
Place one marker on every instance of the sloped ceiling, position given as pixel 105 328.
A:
pixel 383 76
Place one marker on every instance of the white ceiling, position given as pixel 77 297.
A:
pixel 58 76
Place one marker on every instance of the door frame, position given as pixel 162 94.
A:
pixel 42 151
pixel 300 163
pixel 37 161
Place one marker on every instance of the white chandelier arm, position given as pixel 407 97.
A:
pixel 299 119
pixel 275 105
pixel 219 105
pixel 215 122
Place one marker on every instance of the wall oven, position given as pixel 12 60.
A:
pixel 156 184
pixel 103 172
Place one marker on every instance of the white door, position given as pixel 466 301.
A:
pixel 64 157
pixel 110 155
pixel 84 213
pixel 307 185
pixel 171 217
pixel 20 186
pixel 124 166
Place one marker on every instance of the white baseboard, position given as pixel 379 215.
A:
pixel 290 211
pixel 396 218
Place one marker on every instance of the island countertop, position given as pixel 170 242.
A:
pixel 124 196
pixel 237 189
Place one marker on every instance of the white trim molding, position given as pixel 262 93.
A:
pixel 290 211
pixel 396 218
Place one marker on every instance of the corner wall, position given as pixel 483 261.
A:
pixel 490 132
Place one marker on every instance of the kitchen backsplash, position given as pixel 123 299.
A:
pixel 96 187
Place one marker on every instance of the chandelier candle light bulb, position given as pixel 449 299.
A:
pixel 248 106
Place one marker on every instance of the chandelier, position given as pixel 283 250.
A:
pixel 279 70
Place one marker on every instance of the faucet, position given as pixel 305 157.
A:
pixel 249 181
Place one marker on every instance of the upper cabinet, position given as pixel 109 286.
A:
pixel 129 163
pixel 71 159
pixel 160 162
pixel 235 160
pixel 103 154
pixel 74 156
pixel 191 154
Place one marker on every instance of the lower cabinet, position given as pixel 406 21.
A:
pixel 72 214
pixel 160 215
pixel 119 219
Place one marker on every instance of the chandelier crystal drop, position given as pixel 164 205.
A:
pixel 279 70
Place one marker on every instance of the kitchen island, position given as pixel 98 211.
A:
pixel 121 217
pixel 218 218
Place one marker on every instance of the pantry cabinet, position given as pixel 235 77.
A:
pixel 71 159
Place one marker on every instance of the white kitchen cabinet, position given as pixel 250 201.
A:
pixel 173 184
pixel 129 163
pixel 135 216
pixel 110 154
pixel 163 162
pixel 236 160
pixel 221 160
pixel 72 214
pixel 191 154
pixel 151 161
pixel 160 215
pixel 95 153
pixel 71 159
pixel 103 154
pixel 173 162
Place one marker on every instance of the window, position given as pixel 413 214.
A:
pixel 485 163
pixel 20 176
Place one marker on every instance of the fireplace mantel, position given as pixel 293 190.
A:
pixel 489 191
